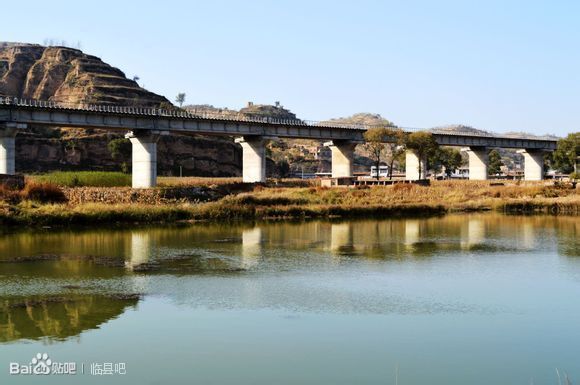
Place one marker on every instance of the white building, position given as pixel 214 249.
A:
pixel 383 171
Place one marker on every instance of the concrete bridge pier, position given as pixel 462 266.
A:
pixel 412 233
pixel 342 157
pixel 141 249
pixel 251 252
pixel 341 237
pixel 412 165
pixel 8 133
pixel 533 164
pixel 253 159
pixel 144 157
pixel 478 162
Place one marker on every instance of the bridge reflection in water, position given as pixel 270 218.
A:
pixel 251 251
pixel 71 265
pixel 62 253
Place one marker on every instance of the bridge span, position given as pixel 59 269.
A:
pixel 144 127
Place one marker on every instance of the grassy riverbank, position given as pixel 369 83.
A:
pixel 235 201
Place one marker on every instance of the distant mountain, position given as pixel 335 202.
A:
pixel 276 111
pixel 364 118
pixel 251 110
pixel 476 131
pixel 526 134
pixel 459 128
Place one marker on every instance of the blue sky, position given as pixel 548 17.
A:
pixel 495 65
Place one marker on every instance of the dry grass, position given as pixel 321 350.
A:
pixel 9 195
pixel 167 181
pixel 262 202
pixel 170 181
pixel 452 194
pixel 41 192
pixel 29 213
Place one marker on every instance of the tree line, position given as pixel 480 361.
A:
pixel 388 145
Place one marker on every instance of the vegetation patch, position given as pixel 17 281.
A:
pixel 43 192
pixel 166 205
pixel 84 178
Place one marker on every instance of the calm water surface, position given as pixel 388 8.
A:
pixel 469 299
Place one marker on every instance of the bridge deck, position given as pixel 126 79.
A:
pixel 45 113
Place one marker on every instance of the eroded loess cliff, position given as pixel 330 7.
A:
pixel 68 75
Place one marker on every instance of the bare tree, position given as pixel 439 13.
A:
pixel 180 98
pixel 384 143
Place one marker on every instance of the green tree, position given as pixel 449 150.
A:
pixel 375 139
pixel 395 148
pixel 120 150
pixel 566 155
pixel 384 143
pixel 283 168
pixel 180 98
pixel 423 144
pixel 494 163
pixel 446 157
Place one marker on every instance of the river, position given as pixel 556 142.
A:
pixel 461 299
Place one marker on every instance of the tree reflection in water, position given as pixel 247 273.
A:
pixel 58 317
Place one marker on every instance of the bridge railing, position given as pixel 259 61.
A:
pixel 233 117
pixel 173 113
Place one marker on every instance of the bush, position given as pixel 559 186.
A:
pixel 8 194
pixel 43 192
pixel 85 179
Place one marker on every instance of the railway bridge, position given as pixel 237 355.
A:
pixel 144 127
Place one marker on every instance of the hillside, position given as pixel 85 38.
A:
pixel 68 75
pixel 365 118
pixel 286 157
pixel 460 128
pixel 251 110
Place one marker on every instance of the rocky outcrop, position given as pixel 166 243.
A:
pixel 68 75
pixel 276 111
pixel 200 156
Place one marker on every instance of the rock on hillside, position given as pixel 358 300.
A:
pixel 67 75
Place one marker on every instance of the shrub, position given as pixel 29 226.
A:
pixel 8 194
pixel 43 192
